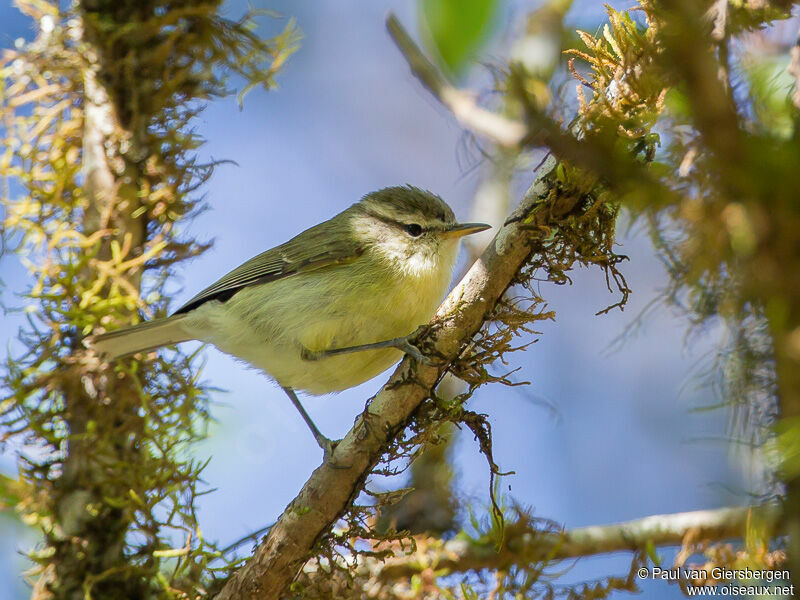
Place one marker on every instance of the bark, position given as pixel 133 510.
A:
pixel 90 542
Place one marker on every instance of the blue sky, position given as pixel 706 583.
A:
pixel 348 118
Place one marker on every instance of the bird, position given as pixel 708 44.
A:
pixel 331 308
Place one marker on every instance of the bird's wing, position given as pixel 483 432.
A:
pixel 313 249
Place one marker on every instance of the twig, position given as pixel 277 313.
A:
pixel 253 535
pixel 503 131
pixel 536 546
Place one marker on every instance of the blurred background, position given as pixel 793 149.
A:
pixel 603 433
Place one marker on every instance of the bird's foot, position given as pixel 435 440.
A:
pixel 328 448
pixel 406 345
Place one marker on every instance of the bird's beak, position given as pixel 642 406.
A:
pixel 460 229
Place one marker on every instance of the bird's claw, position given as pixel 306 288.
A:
pixel 328 448
pixel 414 352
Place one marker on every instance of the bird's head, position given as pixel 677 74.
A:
pixel 413 228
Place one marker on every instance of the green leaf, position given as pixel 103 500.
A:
pixel 456 29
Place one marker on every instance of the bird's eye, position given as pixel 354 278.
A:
pixel 413 229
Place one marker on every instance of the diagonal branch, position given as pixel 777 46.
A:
pixel 502 130
pixel 331 490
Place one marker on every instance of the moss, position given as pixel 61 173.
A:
pixel 112 488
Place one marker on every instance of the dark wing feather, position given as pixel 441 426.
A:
pixel 313 249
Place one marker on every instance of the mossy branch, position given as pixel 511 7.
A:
pixel 97 119
pixel 525 543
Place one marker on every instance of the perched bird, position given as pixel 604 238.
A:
pixel 329 309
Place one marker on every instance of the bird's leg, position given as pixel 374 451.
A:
pixel 327 445
pixel 401 343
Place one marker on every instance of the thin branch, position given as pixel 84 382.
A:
pixel 503 131
pixel 529 545
pixel 252 536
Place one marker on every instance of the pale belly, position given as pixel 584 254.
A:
pixel 269 325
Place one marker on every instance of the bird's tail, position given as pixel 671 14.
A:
pixel 139 338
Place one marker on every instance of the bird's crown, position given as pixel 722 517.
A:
pixel 403 204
